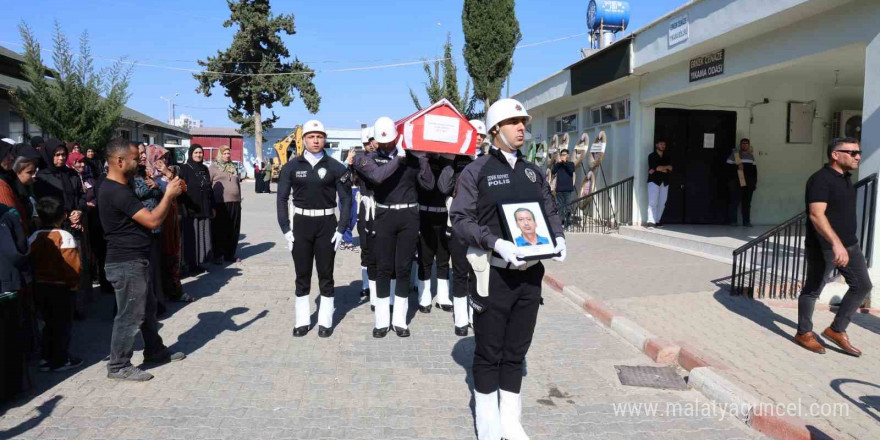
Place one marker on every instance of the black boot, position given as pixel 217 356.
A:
pixel 300 331
pixel 401 332
pixel 380 332
pixel 425 309
pixel 324 332
pixel 461 331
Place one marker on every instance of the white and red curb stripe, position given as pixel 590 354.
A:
pixel 703 376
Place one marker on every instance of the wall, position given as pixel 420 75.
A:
pixel 782 168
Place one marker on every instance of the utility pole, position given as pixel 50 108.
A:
pixel 170 107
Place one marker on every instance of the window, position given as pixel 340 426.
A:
pixel 34 130
pixel 125 134
pixel 567 123
pixel 16 127
pixel 146 138
pixel 610 112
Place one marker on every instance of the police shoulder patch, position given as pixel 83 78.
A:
pixel 530 173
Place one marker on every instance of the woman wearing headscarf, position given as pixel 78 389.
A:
pixel 56 180
pixel 197 202
pixel 149 193
pixel 258 177
pixel 161 173
pixel 226 225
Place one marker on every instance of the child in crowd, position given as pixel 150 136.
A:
pixel 54 254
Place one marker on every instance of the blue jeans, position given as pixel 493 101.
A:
pixel 346 236
pixel 136 306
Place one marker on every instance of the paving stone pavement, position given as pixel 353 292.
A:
pixel 246 377
pixel 754 340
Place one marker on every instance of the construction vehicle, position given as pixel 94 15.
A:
pixel 294 139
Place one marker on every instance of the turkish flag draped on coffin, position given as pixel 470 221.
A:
pixel 440 128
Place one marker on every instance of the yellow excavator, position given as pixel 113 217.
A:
pixel 282 146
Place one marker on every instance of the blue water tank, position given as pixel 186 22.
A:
pixel 611 13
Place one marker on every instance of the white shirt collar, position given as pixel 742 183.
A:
pixel 511 157
pixel 312 157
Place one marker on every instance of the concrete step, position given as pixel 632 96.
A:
pixel 718 248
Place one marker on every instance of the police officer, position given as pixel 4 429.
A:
pixel 461 269
pixel 315 180
pixel 433 242
pixel 366 212
pixel 397 220
pixel 507 290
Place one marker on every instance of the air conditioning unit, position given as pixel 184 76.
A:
pixel 847 123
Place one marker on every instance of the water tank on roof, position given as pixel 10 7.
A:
pixel 608 13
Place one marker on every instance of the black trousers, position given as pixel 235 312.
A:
pixel 433 244
pixel 258 182
pixel 740 197
pixel 56 306
pixel 367 235
pixel 461 269
pixel 12 348
pixel 225 228
pixel 397 236
pixel 820 264
pixel 311 245
pixel 503 331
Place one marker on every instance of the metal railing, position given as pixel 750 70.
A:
pixel 774 265
pixel 602 211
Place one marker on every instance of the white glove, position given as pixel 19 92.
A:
pixel 336 240
pixel 289 237
pixel 401 152
pixel 509 252
pixel 560 249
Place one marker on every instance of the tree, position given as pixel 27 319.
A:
pixel 67 101
pixel 253 71
pixel 491 33
pixel 447 87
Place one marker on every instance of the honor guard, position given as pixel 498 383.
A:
pixel 506 291
pixel 314 179
pixel 461 269
pixel 397 220
pixel 433 242
pixel 366 215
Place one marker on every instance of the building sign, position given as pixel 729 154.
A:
pixel 678 30
pixel 707 66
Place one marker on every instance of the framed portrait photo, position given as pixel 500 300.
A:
pixel 525 224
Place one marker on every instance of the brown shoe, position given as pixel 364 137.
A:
pixel 842 341
pixel 809 341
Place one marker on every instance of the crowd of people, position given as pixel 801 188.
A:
pixel 61 233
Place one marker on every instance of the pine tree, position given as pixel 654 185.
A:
pixel 253 70
pixel 447 87
pixel 67 101
pixel 491 33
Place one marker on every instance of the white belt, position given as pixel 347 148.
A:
pixel 398 206
pixel 314 212
pixel 433 208
pixel 499 262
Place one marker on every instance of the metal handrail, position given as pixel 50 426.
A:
pixel 776 259
pixel 603 190
pixel 602 211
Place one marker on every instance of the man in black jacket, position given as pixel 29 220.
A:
pixel 397 221
pixel 563 170
pixel 315 180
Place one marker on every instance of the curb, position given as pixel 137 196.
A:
pixel 702 375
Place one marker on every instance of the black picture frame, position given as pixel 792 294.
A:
pixel 513 233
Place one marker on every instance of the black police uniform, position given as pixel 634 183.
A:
pixel 397 214
pixel 505 326
pixel 461 269
pixel 366 228
pixel 433 242
pixel 314 188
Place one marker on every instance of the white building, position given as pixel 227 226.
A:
pixel 783 71
pixel 186 121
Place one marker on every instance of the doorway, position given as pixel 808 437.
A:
pixel 698 142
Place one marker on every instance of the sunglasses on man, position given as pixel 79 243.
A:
pixel 852 153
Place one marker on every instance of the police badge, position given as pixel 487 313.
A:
pixel 322 172
pixel 531 175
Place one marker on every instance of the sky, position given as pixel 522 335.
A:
pixel 167 37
